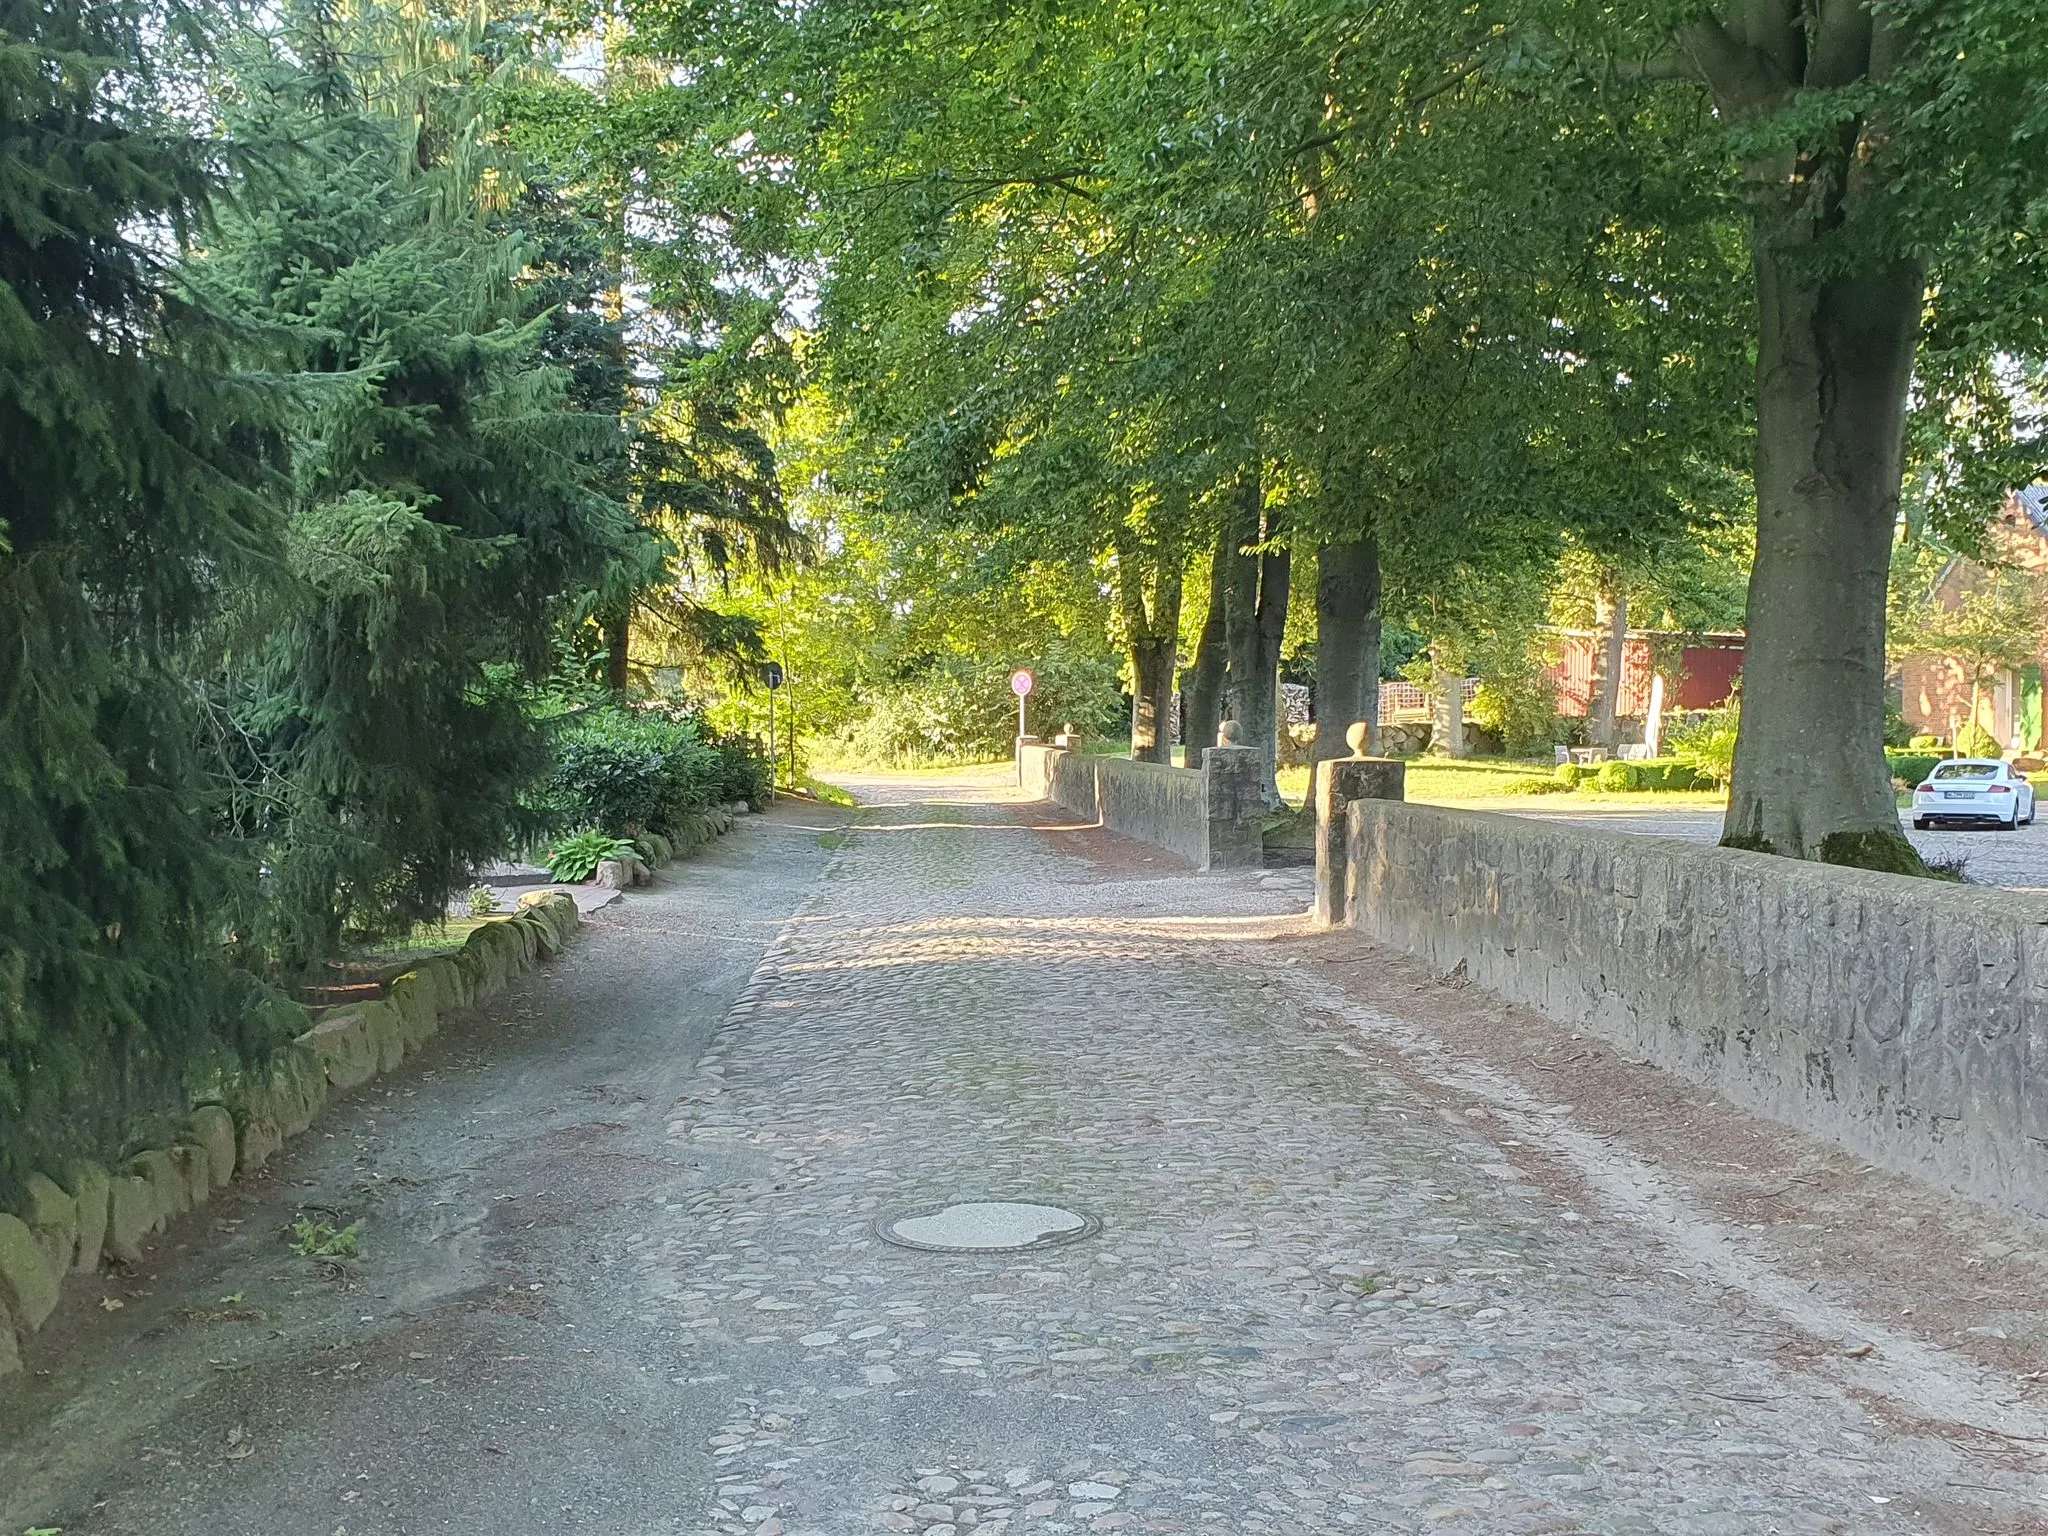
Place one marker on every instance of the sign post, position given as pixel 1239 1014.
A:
pixel 1021 684
pixel 772 674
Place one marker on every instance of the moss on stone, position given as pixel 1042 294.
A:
pixel 1887 852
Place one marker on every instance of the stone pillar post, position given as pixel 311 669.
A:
pixel 1022 743
pixel 1340 781
pixel 1235 784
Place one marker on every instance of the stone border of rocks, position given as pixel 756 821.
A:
pixel 653 850
pixel 248 1119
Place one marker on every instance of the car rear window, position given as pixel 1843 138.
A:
pixel 1967 771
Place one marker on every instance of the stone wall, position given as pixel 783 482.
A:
pixel 1906 1019
pixel 1212 816
pixel 1168 807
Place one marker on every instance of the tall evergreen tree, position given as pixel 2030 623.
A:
pixel 454 503
pixel 129 485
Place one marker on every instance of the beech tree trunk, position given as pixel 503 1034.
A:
pixel 1276 570
pixel 1833 364
pixel 1447 726
pixel 1201 694
pixel 1612 663
pixel 1347 645
pixel 1240 570
pixel 1255 621
pixel 1836 332
pixel 1155 651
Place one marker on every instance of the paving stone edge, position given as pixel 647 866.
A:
pixel 94 1214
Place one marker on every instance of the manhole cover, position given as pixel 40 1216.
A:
pixel 986 1226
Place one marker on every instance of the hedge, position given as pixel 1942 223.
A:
pixel 1911 766
pixel 1656 773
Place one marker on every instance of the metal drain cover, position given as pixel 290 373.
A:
pixel 986 1226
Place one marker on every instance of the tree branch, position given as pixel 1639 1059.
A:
pixel 1842 44
pixel 1742 79
pixel 1775 31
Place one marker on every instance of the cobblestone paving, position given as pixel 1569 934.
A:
pixel 1314 1306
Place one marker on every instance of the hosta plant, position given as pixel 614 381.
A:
pixel 576 859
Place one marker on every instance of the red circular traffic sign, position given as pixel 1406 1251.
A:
pixel 1022 682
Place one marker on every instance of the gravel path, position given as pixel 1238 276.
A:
pixel 647 1297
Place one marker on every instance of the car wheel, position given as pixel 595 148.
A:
pixel 1920 823
pixel 2010 826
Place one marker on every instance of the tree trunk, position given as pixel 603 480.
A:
pixel 1276 570
pixel 1447 674
pixel 1201 697
pixel 1152 664
pixel 1255 620
pixel 1153 630
pixel 1347 646
pixel 1835 356
pixel 1603 724
pixel 618 644
pixel 1240 571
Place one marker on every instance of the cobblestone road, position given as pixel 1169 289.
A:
pixel 1358 1271
pixel 1316 1303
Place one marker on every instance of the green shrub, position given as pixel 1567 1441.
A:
pixel 1571 775
pixel 1670 773
pixel 1912 767
pixel 1657 773
pixel 1924 741
pixel 1521 711
pixel 960 709
pixel 630 770
pixel 1532 786
pixel 575 859
pixel 1708 746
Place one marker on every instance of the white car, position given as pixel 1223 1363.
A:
pixel 1974 789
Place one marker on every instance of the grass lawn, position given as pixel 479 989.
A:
pixel 1486 783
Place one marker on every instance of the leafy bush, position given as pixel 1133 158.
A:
pixel 1708 746
pixel 957 709
pixel 1571 775
pixel 1924 741
pixel 628 770
pixel 576 859
pixel 1657 773
pixel 1912 767
pixel 1521 711
pixel 1551 786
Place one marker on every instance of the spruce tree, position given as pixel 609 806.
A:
pixel 129 488
pixel 454 501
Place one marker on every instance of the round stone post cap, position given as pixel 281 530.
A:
pixel 1227 733
pixel 1359 736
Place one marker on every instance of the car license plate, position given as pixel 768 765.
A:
pixel 1958 794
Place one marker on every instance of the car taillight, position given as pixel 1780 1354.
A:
pixel 2001 789
pixel 1924 789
